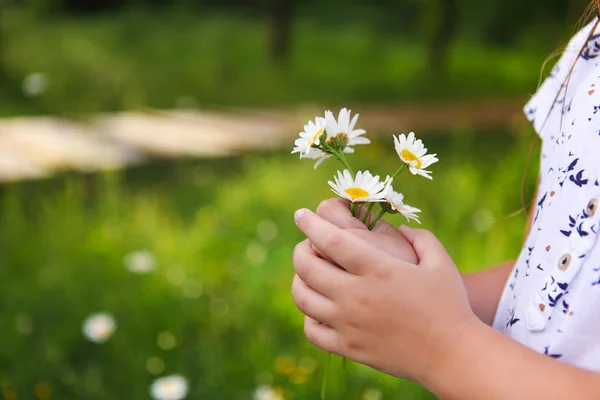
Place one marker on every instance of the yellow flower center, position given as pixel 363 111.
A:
pixel 339 141
pixel 356 193
pixel 317 135
pixel 409 157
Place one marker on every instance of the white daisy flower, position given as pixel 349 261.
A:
pixel 311 136
pixel 365 188
pixel 266 392
pixel 395 203
pixel 414 154
pixel 140 262
pixel 35 84
pixel 173 387
pixel 99 327
pixel 341 133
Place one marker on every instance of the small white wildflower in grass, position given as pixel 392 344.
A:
pixel 140 262
pixel 35 84
pixel 174 387
pixel 310 137
pixel 341 133
pixel 414 154
pixel 365 188
pixel 99 327
pixel 266 392
pixel 395 202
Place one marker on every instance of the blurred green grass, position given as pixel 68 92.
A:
pixel 222 233
pixel 171 59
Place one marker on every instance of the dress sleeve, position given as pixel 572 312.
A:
pixel 545 107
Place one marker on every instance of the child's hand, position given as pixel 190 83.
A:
pixel 379 310
pixel 384 236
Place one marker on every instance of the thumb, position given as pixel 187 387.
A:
pixel 430 251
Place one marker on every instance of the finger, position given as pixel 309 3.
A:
pixel 320 254
pixel 312 303
pixel 337 211
pixel 321 335
pixel 382 226
pixel 429 249
pixel 351 253
pixel 392 242
pixel 322 276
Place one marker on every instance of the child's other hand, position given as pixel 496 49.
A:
pixel 384 236
pixel 379 310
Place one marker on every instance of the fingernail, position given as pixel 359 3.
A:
pixel 299 214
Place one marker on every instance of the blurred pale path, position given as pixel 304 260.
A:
pixel 33 147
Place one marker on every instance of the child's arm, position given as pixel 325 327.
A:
pixel 488 365
pixel 415 321
pixel 484 289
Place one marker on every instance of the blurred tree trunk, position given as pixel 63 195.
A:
pixel 282 15
pixel 441 35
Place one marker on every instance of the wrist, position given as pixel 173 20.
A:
pixel 453 358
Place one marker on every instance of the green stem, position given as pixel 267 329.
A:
pixel 353 209
pixel 398 171
pixel 344 363
pixel 325 376
pixel 377 218
pixel 340 156
pixel 368 213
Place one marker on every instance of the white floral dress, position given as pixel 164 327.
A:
pixel 551 302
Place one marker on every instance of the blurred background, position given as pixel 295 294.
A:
pixel 145 173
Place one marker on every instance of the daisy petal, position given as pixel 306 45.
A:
pixel 364 188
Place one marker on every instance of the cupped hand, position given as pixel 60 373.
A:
pixel 399 317
pixel 384 236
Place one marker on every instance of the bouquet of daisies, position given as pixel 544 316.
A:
pixel 327 137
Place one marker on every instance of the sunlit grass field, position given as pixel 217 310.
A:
pixel 216 308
